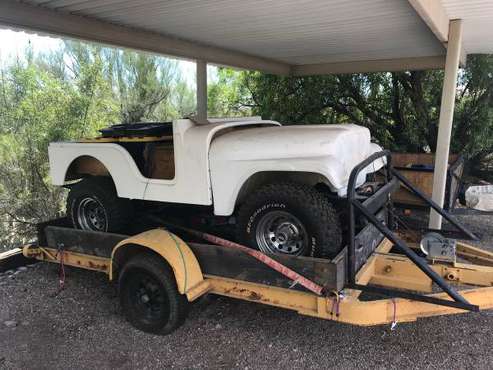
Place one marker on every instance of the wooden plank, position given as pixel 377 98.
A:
pixel 80 241
pixel 422 178
pixel 409 159
pixel 230 263
pixel 127 139
pixel 213 259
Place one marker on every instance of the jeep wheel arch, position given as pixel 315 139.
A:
pixel 259 179
pixel 85 165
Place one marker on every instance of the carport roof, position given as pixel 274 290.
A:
pixel 285 37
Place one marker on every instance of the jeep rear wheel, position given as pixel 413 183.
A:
pixel 92 204
pixel 292 219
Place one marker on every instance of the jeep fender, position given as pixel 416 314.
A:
pixel 229 176
pixel 129 182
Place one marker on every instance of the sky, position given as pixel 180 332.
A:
pixel 14 43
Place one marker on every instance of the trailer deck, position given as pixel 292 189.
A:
pixel 250 281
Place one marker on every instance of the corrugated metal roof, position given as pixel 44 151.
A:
pixel 477 16
pixel 291 31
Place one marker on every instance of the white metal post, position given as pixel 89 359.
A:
pixel 446 118
pixel 201 91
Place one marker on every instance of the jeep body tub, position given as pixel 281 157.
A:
pixel 217 163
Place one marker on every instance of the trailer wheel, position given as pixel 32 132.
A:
pixel 290 218
pixel 92 204
pixel 149 297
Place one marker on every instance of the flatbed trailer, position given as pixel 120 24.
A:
pixel 376 260
pixel 383 268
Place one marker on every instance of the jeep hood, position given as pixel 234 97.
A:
pixel 350 143
pixel 331 150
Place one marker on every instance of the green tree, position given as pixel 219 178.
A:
pixel 183 102
pixel 65 95
pixel 37 108
pixel 227 96
pixel 401 109
pixel 144 83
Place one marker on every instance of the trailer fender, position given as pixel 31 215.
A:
pixel 178 255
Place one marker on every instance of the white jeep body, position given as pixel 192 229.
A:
pixel 216 163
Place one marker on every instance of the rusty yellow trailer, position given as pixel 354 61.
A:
pixel 159 272
pixel 382 269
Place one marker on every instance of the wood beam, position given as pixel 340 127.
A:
pixel 383 65
pixel 19 15
pixel 434 15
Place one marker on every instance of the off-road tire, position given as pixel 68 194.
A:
pixel 117 211
pixel 174 309
pixel 307 204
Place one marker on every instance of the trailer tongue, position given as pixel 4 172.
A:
pixel 328 289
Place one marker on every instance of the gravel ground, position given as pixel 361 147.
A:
pixel 82 327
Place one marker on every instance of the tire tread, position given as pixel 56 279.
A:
pixel 119 210
pixel 317 207
pixel 179 305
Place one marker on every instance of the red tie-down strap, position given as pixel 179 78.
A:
pixel 272 263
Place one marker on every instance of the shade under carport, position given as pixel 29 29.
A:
pixel 289 37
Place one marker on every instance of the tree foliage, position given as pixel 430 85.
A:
pixel 401 109
pixel 66 95
pixel 80 88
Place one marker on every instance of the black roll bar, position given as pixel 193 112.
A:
pixel 367 209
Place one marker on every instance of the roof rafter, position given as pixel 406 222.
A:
pixel 18 15
pixel 36 18
pixel 434 15
pixel 382 65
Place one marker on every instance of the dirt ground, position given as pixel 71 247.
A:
pixel 82 327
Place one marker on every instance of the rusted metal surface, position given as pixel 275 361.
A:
pixel 88 262
pixel 382 268
pixel 346 308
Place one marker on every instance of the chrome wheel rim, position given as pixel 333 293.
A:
pixel 91 215
pixel 281 232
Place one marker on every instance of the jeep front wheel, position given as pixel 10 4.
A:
pixel 292 219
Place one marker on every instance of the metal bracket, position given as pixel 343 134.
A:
pixel 438 248
pixel 367 208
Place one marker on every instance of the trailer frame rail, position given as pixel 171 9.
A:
pixel 382 268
